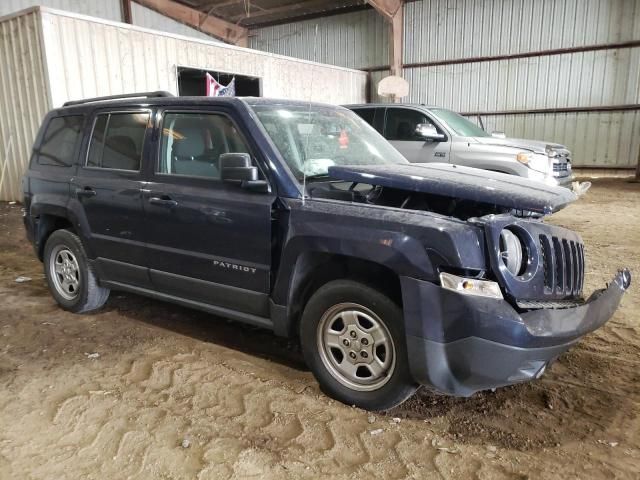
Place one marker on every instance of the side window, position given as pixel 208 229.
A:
pixel 401 124
pixel 117 140
pixel 193 142
pixel 59 141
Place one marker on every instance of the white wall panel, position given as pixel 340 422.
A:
pixel 103 58
pixel 23 98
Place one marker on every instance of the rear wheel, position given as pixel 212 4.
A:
pixel 353 341
pixel 71 279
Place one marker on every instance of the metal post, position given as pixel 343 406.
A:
pixel 126 11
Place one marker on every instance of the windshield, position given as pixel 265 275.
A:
pixel 313 138
pixel 460 125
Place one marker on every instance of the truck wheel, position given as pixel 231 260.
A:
pixel 352 339
pixel 69 275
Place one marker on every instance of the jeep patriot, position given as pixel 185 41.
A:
pixel 301 218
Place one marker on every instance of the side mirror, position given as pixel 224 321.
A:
pixel 428 132
pixel 498 135
pixel 237 168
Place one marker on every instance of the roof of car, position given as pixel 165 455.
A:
pixel 114 102
pixel 419 105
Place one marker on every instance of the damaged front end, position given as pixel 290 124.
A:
pixel 480 329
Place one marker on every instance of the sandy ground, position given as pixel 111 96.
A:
pixel 178 394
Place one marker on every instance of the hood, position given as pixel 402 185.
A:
pixel 534 146
pixel 466 183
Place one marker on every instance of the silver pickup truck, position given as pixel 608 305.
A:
pixel 432 134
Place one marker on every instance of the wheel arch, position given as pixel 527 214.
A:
pixel 312 269
pixel 48 223
pixel 49 217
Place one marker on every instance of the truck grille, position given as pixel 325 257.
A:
pixel 563 264
pixel 561 163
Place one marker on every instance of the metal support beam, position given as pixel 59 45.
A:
pixel 226 31
pixel 126 11
pixel 392 11
pixel 396 49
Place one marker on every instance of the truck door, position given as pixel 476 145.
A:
pixel 208 241
pixel 108 189
pixel 400 129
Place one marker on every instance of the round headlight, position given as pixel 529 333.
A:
pixel 512 252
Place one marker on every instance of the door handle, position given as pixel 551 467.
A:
pixel 163 201
pixel 85 192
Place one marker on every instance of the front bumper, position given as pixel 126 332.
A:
pixel 460 344
pixel 565 181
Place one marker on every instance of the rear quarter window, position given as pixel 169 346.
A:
pixel 60 141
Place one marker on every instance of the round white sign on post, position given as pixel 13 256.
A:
pixel 393 87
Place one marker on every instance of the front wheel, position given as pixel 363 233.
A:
pixel 353 342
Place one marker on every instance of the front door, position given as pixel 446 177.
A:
pixel 400 130
pixel 108 186
pixel 208 241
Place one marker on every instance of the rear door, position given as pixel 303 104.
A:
pixel 400 130
pixel 208 241
pixel 108 188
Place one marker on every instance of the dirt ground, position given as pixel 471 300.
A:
pixel 174 393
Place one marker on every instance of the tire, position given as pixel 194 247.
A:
pixel 357 319
pixel 71 280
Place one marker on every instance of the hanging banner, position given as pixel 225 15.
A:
pixel 215 89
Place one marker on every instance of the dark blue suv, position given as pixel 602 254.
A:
pixel 302 219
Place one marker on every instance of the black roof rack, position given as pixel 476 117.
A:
pixel 159 93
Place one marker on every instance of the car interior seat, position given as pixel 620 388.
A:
pixel 190 155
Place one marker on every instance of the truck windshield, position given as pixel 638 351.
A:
pixel 313 138
pixel 460 125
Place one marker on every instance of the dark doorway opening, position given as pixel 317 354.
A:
pixel 192 82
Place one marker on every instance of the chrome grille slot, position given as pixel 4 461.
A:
pixel 562 261
pixel 568 267
pixel 546 256
pixel 559 265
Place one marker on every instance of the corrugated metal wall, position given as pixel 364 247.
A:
pixel 147 18
pixel 602 139
pixel 353 40
pixel 450 29
pixel 440 30
pixel 459 30
pixel 107 9
pixel 23 98
pixel 584 79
